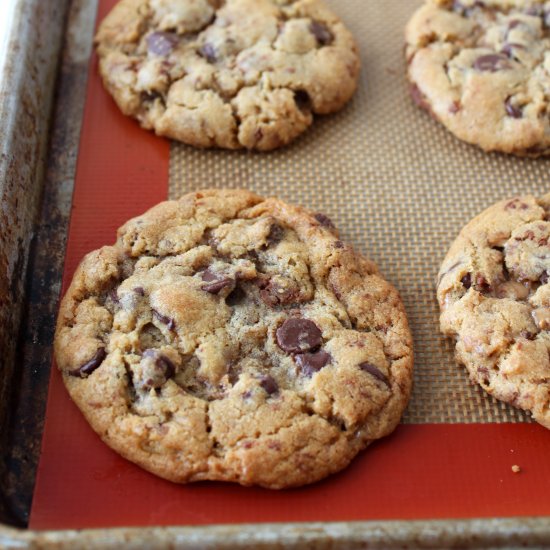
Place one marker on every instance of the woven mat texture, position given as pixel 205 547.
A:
pixel 398 187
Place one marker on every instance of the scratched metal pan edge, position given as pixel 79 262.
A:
pixel 31 44
pixel 491 533
pixel 24 371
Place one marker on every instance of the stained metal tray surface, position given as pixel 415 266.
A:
pixel 49 38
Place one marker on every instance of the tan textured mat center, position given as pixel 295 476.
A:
pixel 398 187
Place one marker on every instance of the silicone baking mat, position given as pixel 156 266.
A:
pixel 399 188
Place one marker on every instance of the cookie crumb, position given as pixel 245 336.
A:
pixel 516 469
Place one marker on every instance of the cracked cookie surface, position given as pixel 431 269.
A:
pixel 494 295
pixel 230 337
pixel 227 73
pixel 482 68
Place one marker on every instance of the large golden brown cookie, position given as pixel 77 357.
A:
pixel 482 68
pixel 230 337
pixel 227 73
pixel 494 294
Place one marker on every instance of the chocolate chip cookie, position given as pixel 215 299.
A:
pixel 227 73
pixel 230 337
pixel 482 68
pixel 494 294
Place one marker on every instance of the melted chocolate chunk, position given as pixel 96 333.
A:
pixel 482 285
pixel 492 63
pixel 162 362
pixel 512 110
pixel 325 221
pixel 516 204
pixel 544 278
pixel 274 294
pixel 302 100
pixel 466 281
pixel 298 335
pixel 91 365
pixel 528 335
pixel 310 363
pixel 208 52
pixel 276 234
pixel 170 323
pixel 215 282
pixel 139 291
pixel 269 384
pixel 162 43
pixel 321 33
pixel 373 371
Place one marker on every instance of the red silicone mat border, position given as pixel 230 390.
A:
pixel 420 472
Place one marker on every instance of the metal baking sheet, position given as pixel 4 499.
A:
pixel 395 183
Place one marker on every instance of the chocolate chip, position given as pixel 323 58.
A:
pixel 269 384
pixel 91 365
pixel 527 335
pixel 276 234
pixel 466 281
pixel 208 52
pixel 516 204
pixel 162 362
pixel 374 371
pixel 302 100
pixel 325 221
pixel 298 335
pixel 492 63
pixel 275 294
pixel 139 291
pixel 310 363
pixel 482 285
pixel 321 33
pixel 544 278
pixel 512 110
pixel 167 365
pixel 215 282
pixel 170 323
pixel 162 43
